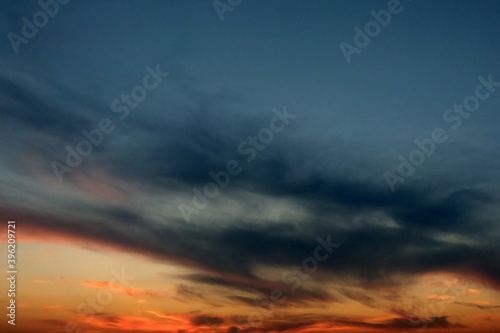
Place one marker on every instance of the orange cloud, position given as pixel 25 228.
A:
pixel 172 317
pixel 438 297
pixel 138 324
pixel 470 291
pixel 53 307
pixel 134 292
pixel 480 317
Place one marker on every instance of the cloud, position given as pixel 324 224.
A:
pixel 260 287
pixel 470 291
pixel 138 324
pixel 360 297
pixel 134 292
pixel 53 307
pixel 205 320
pixel 360 255
pixel 478 305
pixel 439 297
pixel 54 322
pixel 405 323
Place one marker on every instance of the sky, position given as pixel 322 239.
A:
pixel 251 166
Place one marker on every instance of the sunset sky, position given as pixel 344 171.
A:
pixel 251 166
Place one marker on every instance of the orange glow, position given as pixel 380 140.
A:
pixel 167 303
pixel 438 297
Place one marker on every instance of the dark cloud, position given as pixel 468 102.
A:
pixel 479 306
pixel 205 320
pixel 285 326
pixel 405 323
pixel 263 289
pixel 361 254
pixel 29 108
pixel 360 297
